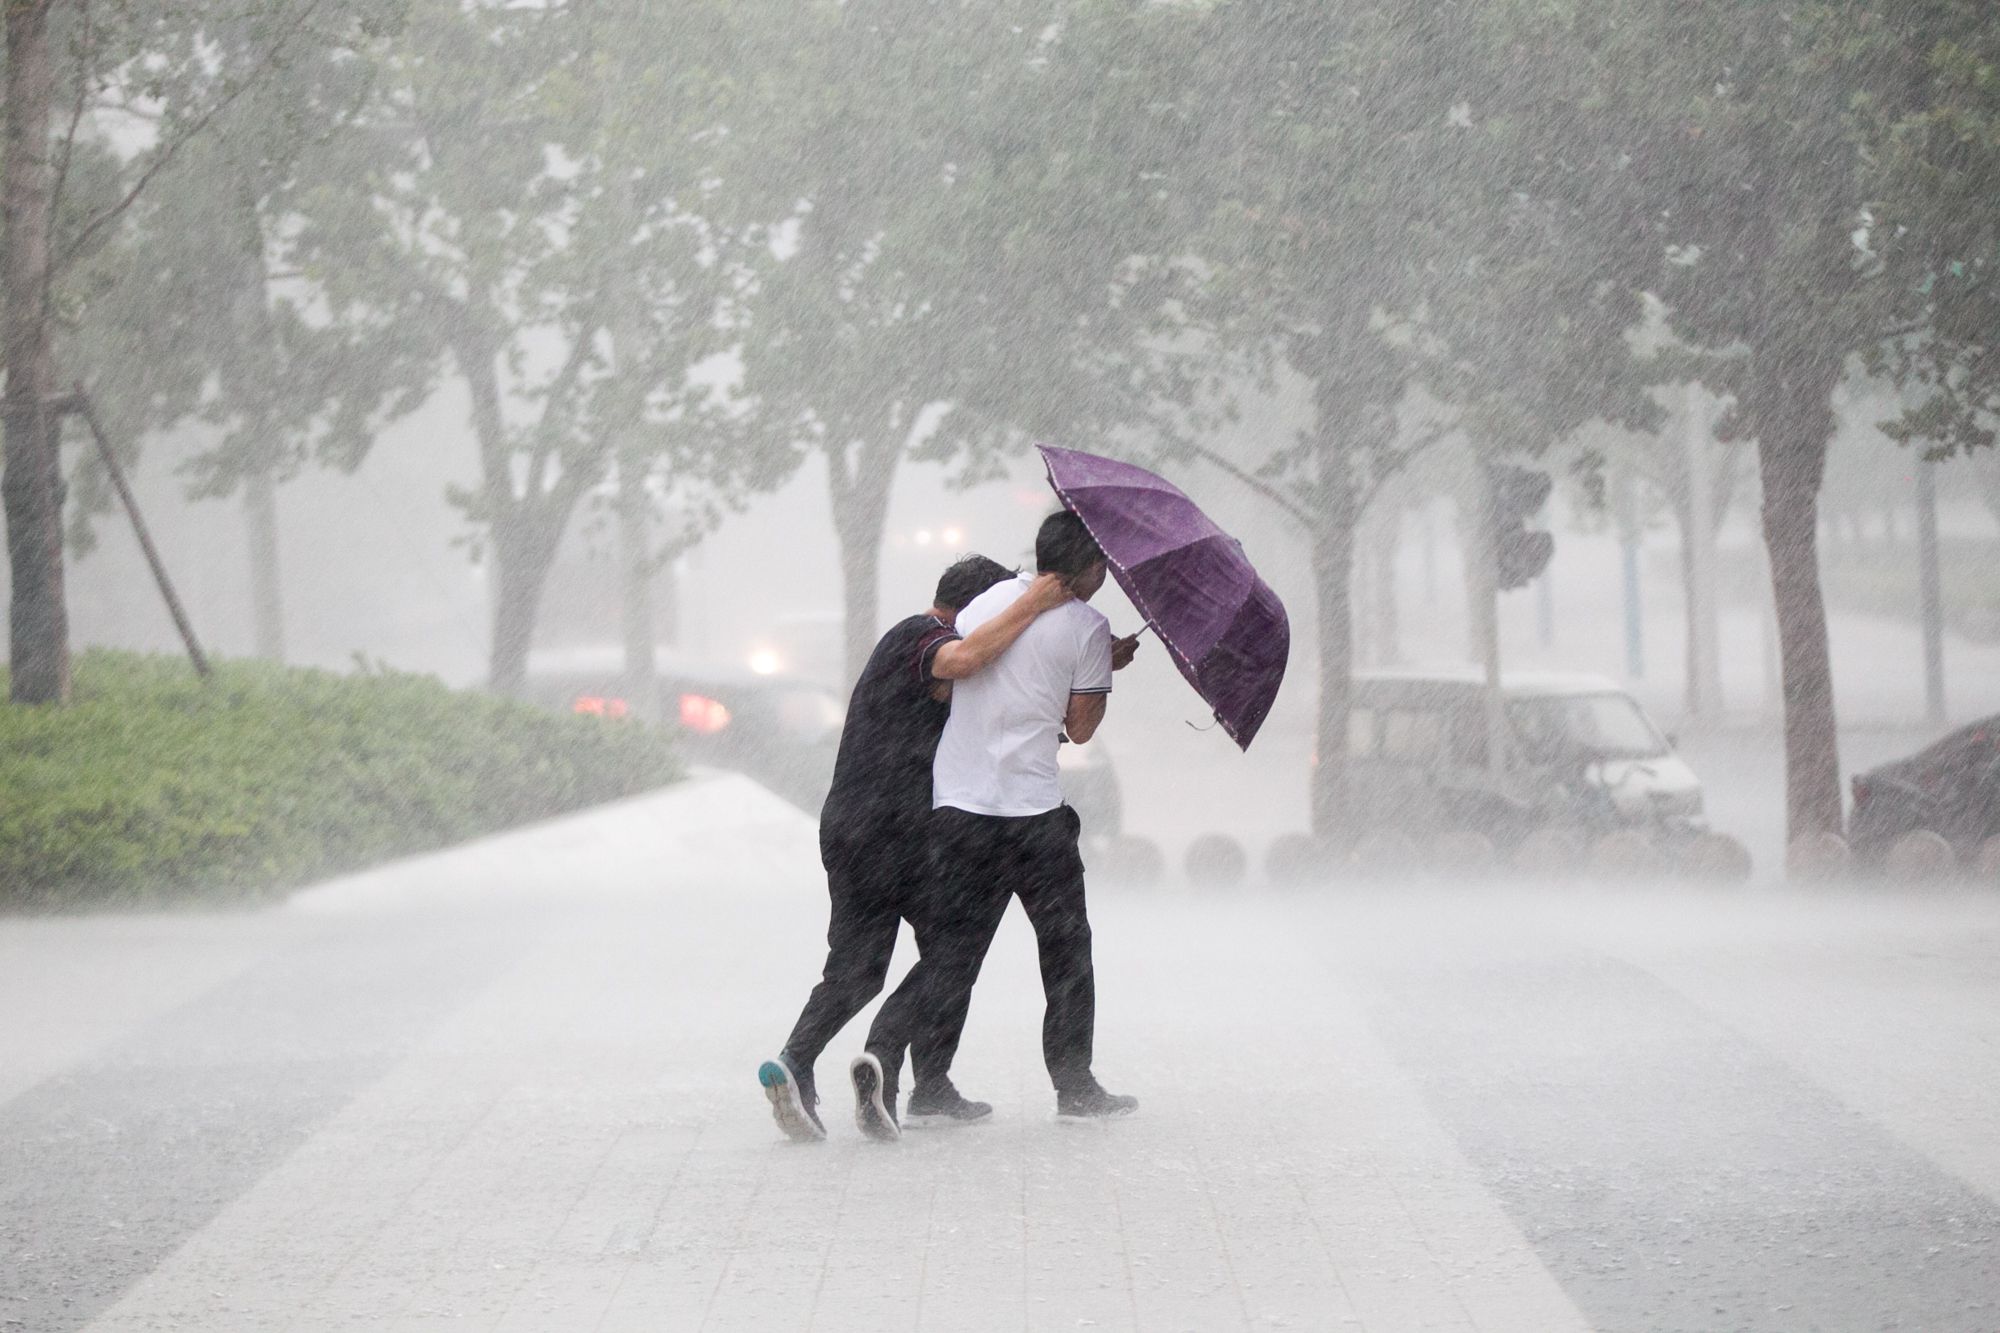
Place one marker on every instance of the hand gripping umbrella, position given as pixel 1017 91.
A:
pixel 1224 627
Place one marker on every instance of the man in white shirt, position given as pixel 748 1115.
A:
pixel 1000 829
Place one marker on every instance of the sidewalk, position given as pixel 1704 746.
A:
pixel 551 1119
pixel 512 1087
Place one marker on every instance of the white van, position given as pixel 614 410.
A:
pixel 1578 752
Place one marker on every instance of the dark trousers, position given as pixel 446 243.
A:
pixel 876 874
pixel 980 862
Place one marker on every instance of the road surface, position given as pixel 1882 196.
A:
pixel 513 1087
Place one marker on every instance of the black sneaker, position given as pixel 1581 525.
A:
pixel 874 1101
pixel 942 1107
pixel 1092 1102
pixel 793 1100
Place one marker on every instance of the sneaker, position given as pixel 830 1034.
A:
pixel 942 1108
pixel 874 1102
pixel 793 1100
pixel 1092 1102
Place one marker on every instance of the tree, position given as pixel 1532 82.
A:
pixel 1928 121
pixel 1698 479
pixel 38 620
pixel 1716 159
pixel 197 311
pixel 968 191
pixel 526 195
pixel 1377 224
pixel 155 61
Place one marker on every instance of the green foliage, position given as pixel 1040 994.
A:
pixel 203 127
pixel 154 786
pixel 956 191
pixel 1930 133
pixel 528 194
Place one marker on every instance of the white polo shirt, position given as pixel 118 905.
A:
pixel 998 754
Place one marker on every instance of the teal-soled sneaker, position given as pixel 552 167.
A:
pixel 793 1100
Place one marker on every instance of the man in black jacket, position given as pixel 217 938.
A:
pixel 872 831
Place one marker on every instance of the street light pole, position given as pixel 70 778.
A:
pixel 1628 552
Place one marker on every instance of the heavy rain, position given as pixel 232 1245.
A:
pixel 1398 598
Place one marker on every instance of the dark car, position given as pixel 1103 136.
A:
pixel 781 730
pixel 1951 788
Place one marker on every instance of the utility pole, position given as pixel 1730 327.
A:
pixel 1486 632
pixel 1627 509
pixel 1930 598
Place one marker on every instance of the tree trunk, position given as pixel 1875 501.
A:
pixel 1693 702
pixel 32 488
pixel 1388 625
pixel 1333 574
pixel 1791 461
pixel 860 591
pixel 524 546
pixel 1628 560
pixel 267 606
pixel 636 565
pixel 860 491
pixel 1361 595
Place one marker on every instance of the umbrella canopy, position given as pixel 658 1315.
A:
pixel 1224 627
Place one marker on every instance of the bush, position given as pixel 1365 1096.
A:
pixel 154 786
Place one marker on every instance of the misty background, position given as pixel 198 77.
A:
pixel 470 338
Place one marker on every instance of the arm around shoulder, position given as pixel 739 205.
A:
pixel 975 652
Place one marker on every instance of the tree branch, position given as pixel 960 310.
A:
pixel 1890 335
pixel 546 438
pixel 1277 497
pixel 167 154
pixel 475 362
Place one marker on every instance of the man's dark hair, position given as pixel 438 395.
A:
pixel 967 577
pixel 1064 546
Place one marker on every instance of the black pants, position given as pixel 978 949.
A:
pixel 876 875
pixel 981 861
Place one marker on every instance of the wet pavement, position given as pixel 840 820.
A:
pixel 513 1087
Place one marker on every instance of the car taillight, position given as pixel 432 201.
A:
pixel 1860 793
pixel 600 706
pixel 703 715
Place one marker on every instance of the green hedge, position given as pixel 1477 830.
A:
pixel 155 787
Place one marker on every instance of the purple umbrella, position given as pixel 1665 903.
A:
pixel 1223 625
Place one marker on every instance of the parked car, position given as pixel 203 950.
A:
pixel 781 730
pixel 1577 752
pixel 1951 788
